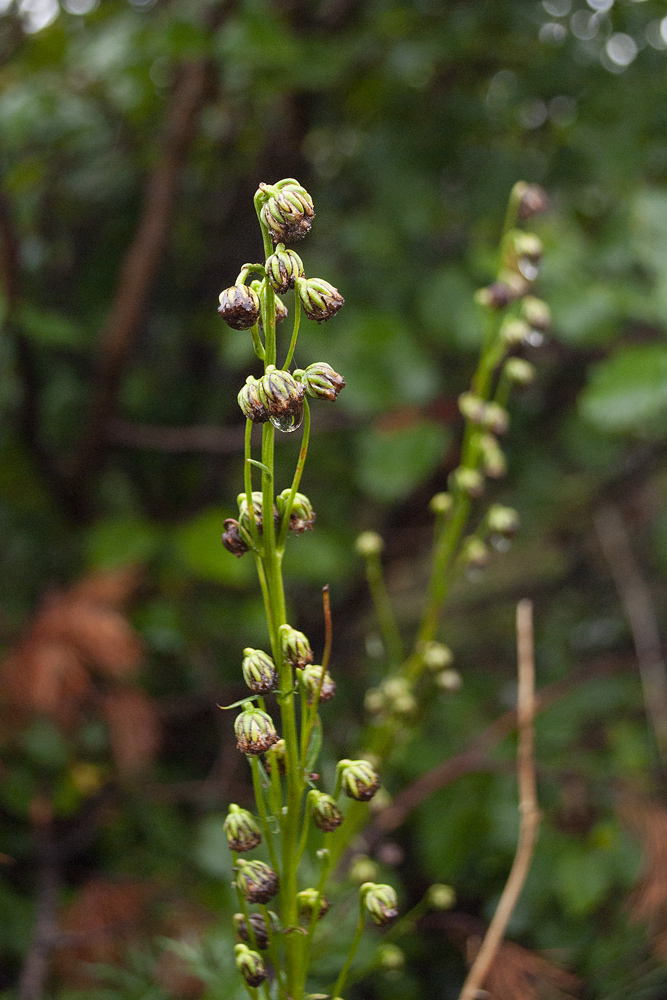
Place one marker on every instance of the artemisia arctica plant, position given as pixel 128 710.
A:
pixel 278 914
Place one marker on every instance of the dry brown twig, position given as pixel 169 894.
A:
pixel 528 811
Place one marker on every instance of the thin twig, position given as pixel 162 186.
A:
pixel 635 596
pixel 529 816
pixel 36 963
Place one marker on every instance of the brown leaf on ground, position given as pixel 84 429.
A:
pixel 101 636
pixel 112 588
pixel 45 677
pixel 134 727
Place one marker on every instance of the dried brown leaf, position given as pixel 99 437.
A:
pixel 112 588
pixel 46 677
pixel 134 727
pixel 101 636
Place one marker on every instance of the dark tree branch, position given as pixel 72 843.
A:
pixel 35 966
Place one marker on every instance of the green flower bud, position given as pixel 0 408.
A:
pixel 475 553
pixel 441 897
pixel 368 543
pixel 517 283
pixel 231 538
pixel 358 779
pixel 390 957
pixel 244 513
pixel 277 755
pixel 282 398
pixel 242 829
pixel 310 901
pixel 289 212
pixel 519 371
pixel 436 656
pixel 472 407
pixel 380 901
pixel 493 458
pixel 441 503
pixel 495 418
pixel 468 481
pixel 522 252
pixel 259 671
pixel 295 646
pixel 449 680
pixel 302 515
pixel 531 199
pixel 536 313
pixel 283 268
pixel 258 925
pixel 250 965
pixel 502 521
pixel 321 381
pixel 256 880
pixel 310 679
pixel 239 307
pixel 363 869
pixel 374 701
pixel 282 311
pixel 326 814
pixel 255 731
pixel 497 296
pixel 319 299
pixel 249 400
pixel 514 331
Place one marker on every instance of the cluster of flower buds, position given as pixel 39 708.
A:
pixel 314 679
pixel 255 731
pixel 257 925
pixel 309 902
pixel 276 396
pixel 358 778
pixel 491 416
pixel 256 880
pixel 325 813
pixel 240 306
pixel 259 671
pixel 380 902
pixel 394 696
pixel 295 647
pixel 438 658
pixel 302 515
pixel 320 300
pixel 242 829
pixel 288 212
pixel 320 380
pixel 250 964
pixel 492 455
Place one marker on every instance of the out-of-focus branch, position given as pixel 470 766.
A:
pixel 637 602
pixel 141 263
pixel 528 811
pixel 45 929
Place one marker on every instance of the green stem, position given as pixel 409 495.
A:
pixel 261 809
pixel 295 330
pixel 258 347
pixel 284 526
pixel 340 982
pixel 247 482
pixel 384 610
pixel 272 950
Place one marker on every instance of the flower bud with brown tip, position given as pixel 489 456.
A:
pixel 302 515
pixel 497 296
pixel 232 540
pixel 502 521
pixel 255 731
pixel 320 300
pixel 259 928
pixel 289 212
pixel 326 814
pixel 250 965
pixel 277 755
pixel 282 398
pixel 309 902
pixel 283 268
pixel 259 671
pixel 295 647
pixel 256 880
pixel 249 400
pixel 359 779
pixel 531 199
pixel 242 829
pixel 380 901
pixel 239 307
pixel 321 381
pixel 312 682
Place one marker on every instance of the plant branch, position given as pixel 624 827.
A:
pixel 45 930
pixel 528 810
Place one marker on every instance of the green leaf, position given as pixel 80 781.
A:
pixel 393 462
pixel 583 878
pixel 315 744
pixel 628 391
pixel 50 328
pixel 197 548
pixel 121 542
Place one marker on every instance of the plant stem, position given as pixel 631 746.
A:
pixel 295 330
pixel 340 982
pixel 261 809
pixel 384 610
pixel 284 526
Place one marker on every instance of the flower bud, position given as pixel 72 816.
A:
pixel 232 540
pixel 358 779
pixel 516 281
pixel 250 965
pixel 319 299
pixel 496 296
pixel 493 458
pixel 282 398
pixel 310 901
pixel 398 695
pixel 536 313
pixel 311 678
pixel 502 521
pixel 250 402
pixel 436 656
pixel 244 513
pixel 302 515
pixel 519 371
pixel 390 957
pixel 321 381
pixel 472 407
pixel 368 543
pixel 295 647
pixel 440 896
pixel 495 418
pixel 381 903
pixel 374 701
pixel 259 928
pixel 468 481
pixel 239 307
pixel 363 869
pixel 531 199
pixel 283 268
pixel 242 829
pixel 255 731
pixel 449 680
pixel 326 814
pixel 256 880
pixel 259 671
pixel 514 331
pixel 475 553
pixel 441 503
pixel 277 755
pixel 289 212
pixel 281 310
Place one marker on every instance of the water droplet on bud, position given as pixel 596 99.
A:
pixel 287 423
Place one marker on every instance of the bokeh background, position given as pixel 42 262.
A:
pixel 132 138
